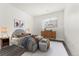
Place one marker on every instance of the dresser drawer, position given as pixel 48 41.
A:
pixel 48 34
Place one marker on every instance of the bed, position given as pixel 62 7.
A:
pixel 17 37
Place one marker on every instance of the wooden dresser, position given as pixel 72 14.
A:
pixel 49 34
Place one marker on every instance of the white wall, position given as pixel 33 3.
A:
pixel 39 19
pixel 2 13
pixel 7 14
pixel 71 28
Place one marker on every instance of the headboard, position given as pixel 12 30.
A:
pixel 18 32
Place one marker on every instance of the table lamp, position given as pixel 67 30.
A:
pixel 3 31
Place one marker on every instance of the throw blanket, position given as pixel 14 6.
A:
pixel 29 43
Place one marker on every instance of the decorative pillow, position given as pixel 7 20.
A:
pixel 14 36
pixel 19 35
pixel 15 41
pixel 38 37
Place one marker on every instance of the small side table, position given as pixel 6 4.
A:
pixel 4 42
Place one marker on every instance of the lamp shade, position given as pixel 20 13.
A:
pixel 3 29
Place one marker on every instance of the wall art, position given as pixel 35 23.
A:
pixel 18 22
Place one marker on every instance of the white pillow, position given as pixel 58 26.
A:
pixel 39 37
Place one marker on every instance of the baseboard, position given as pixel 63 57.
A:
pixel 66 47
pixel 57 40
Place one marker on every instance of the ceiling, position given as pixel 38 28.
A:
pixel 36 9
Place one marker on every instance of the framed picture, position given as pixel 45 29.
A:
pixel 18 22
pixel 49 24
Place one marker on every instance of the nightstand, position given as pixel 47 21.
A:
pixel 4 42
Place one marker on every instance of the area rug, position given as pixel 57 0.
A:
pixel 12 51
